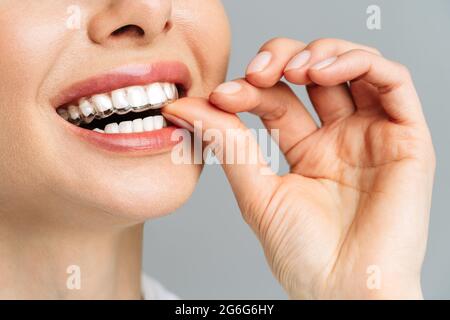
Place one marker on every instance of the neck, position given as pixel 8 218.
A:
pixel 39 261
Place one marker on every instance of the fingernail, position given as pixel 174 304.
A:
pixel 299 60
pixel 324 63
pixel 231 87
pixel 178 122
pixel 260 62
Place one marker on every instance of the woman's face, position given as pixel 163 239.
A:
pixel 56 53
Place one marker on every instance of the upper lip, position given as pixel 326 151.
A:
pixel 125 76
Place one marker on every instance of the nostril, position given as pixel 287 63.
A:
pixel 129 30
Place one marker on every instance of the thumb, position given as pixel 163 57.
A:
pixel 235 147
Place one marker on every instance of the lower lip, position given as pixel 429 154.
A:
pixel 148 143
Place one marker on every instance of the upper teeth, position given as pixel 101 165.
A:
pixel 121 101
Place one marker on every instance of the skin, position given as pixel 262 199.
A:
pixel 358 193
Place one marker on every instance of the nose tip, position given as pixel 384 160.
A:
pixel 135 21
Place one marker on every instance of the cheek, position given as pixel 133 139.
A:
pixel 29 44
pixel 204 25
pixel 27 49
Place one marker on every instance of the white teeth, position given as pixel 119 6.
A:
pixel 120 101
pixel 136 97
pixel 170 90
pixel 138 125
pixel 86 108
pixel 102 103
pixel 159 122
pixel 149 124
pixel 112 128
pixel 87 111
pixel 126 127
pixel 155 94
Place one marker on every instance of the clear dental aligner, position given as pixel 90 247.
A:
pixel 121 102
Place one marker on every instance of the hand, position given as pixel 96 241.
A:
pixel 358 194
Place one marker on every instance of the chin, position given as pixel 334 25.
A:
pixel 132 191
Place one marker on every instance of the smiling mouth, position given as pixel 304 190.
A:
pixel 134 109
pixel 121 110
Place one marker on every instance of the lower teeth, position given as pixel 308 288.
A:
pixel 139 125
pixel 131 122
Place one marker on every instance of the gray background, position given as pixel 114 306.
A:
pixel 205 250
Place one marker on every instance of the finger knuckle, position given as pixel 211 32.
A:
pixel 280 42
pixel 374 50
pixel 323 42
pixel 403 71
pixel 359 51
